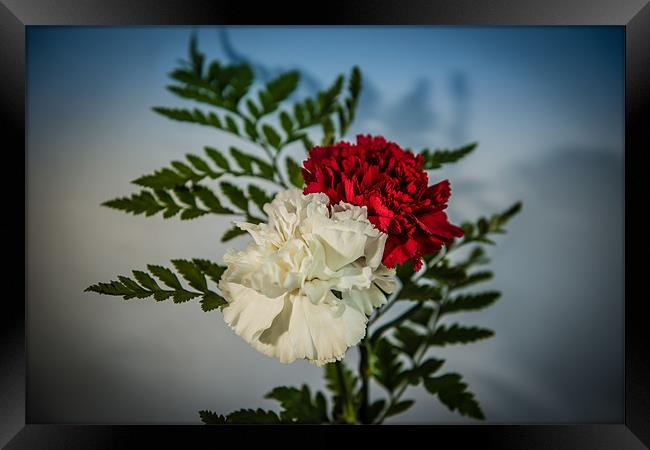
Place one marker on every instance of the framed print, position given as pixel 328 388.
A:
pixel 409 216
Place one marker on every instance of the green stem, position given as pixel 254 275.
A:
pixel 347 409
pixel 394 398
pixel 418 357
pixel 435 260
pixel 379 331
pixel 364 373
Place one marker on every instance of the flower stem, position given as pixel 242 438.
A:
pixel 364 373
pixel 347 408
pixel 379 331
pixel 418 357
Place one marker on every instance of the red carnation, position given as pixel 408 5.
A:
pixel 391 183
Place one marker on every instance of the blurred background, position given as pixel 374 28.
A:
pixel 544 103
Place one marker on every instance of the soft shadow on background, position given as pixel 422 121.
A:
pixel 545 105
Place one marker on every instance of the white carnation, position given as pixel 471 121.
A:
pixel 279 290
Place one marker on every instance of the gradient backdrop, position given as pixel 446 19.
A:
pixel 545 104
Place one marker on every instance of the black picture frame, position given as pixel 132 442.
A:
pixel 16 15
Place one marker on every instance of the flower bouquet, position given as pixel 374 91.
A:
pixel 343 237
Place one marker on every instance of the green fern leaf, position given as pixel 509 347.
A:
pixel 295 173
pixel 435 159
pixel 235 195
pixel 456 334
pixel 453 393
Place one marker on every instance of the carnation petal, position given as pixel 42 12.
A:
pixel 279 289
pixel 374 251
pixel 439 193
pixel 275 340
pixel 399 250
pixel 343 241
pixel 348 278
pixel 365 300
pixel 385 279
pixel 249 313
pixel 437 223
pixel 322 333
pixel 392 184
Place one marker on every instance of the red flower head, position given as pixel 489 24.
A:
pixel 391 183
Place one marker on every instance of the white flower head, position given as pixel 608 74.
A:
pixel 280 289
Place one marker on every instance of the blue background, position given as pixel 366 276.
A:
pixel 544 103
